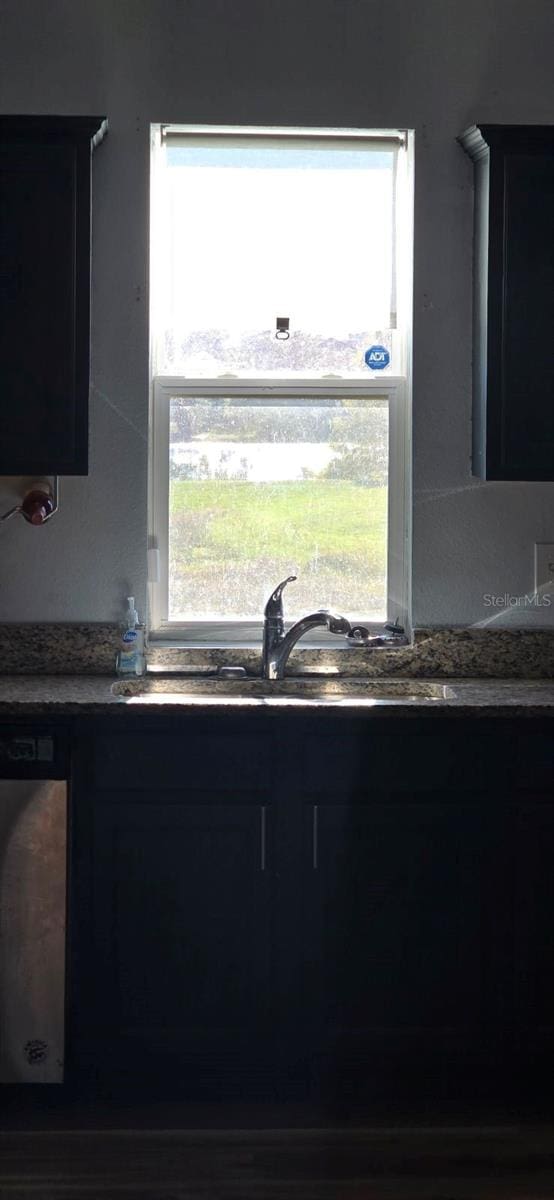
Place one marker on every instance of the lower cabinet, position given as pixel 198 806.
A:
pixel 289 931
pixel 181 939
pixel 395 910
pixel 530 951
pixel 399 933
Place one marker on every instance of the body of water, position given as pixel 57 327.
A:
pixel 258 462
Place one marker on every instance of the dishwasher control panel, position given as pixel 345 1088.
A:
pixel 32 753
pixel 27 749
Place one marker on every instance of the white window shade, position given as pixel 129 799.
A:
pixel 301 228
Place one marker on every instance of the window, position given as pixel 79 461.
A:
pixel 280 284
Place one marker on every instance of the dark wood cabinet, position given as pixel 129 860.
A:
pixel 173 963
pixel 45 249
pixel 399 925
pixel 513 365
pixel 305 910
pixel 182 939
pixel 531 960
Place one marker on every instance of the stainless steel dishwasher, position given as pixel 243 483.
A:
pixel 33 881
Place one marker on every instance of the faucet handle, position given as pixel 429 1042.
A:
pixel 274 606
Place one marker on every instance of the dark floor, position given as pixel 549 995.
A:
pixel 120 1154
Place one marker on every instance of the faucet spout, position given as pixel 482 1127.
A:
pixel 332 621
pixel 276 650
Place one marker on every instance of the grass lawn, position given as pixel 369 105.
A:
pixel 332 533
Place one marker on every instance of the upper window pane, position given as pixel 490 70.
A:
pixel 249 229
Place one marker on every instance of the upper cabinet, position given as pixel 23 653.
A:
pixel 513 359
pixel 45 247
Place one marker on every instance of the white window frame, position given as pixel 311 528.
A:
pixel 396 390
pixel 247 632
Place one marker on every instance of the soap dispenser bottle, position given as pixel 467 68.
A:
pixel 130 659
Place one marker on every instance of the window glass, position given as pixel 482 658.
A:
pixel 259 490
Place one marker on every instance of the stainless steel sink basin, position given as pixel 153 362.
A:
pixel 299 689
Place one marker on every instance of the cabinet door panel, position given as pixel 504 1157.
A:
pixel 182 931
pixel 533 767
pixel 513 370
pixel 206 761
pixel 533 917
pixel 45 165
pixel 397 917
pixel 527 368
pixel 37 320
pixel 348 765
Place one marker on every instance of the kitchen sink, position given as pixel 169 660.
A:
pixel 315 688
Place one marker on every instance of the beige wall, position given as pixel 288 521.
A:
pixel 433 65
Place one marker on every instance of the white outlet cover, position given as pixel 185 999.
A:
pixel 544 566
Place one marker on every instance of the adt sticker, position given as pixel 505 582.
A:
pixel 377 357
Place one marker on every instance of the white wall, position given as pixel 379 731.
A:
pixel 433 65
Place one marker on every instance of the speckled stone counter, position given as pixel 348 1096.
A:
pixel 90 649
pixel 52 696
pixel 58 649
pixel 434 654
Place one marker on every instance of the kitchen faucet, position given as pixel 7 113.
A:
pixel 277 645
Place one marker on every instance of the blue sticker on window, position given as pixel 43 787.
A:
pixel 377 357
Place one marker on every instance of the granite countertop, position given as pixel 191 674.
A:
pixel 455 653
pixel 58 695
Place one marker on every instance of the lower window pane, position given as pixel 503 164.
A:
pixel 258 492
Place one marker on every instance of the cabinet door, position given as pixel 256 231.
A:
pixel 182 940
pixel 513 382
pixel 399 921
pixel 531 961
pixel 44 293
pixel 521 380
